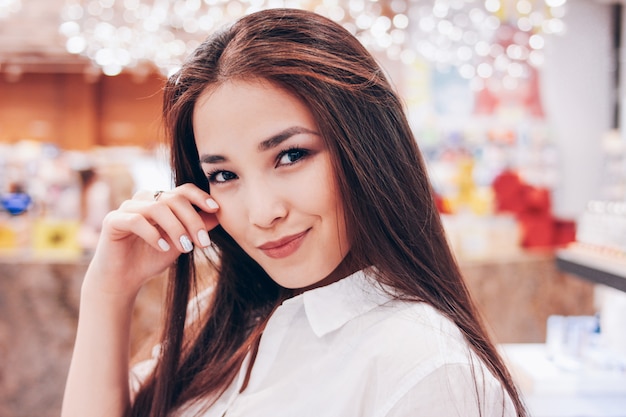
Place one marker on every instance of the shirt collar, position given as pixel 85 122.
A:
pixel 330 307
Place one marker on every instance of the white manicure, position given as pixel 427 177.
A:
pixel 163 245
pixel 204 238
pixel 211 203
pixel 186 243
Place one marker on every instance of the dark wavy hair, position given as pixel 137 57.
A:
pixel 390 211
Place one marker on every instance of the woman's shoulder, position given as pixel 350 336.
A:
pixel 418 330
pixel 430 366
pixel 361 308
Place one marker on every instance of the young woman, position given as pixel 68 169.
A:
pixel 336 293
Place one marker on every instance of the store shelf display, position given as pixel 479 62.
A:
pixel 53 200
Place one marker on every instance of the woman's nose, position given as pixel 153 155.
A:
pixel 266 206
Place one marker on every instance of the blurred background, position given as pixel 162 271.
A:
pixel 516 104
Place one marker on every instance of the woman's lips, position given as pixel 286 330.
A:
pixel 283 247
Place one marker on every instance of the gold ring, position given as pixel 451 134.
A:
pixel 156 195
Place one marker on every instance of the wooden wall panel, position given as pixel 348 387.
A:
pixel 78 120
pixel 130 112
pixel 74 113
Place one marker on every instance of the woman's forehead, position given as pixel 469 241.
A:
pixel 254 111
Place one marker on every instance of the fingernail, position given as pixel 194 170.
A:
pixel 163 245
pixel 211 203
pixel 186 243
pixel 204 238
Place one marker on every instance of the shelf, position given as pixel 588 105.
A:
pixel 563 387
pixel 592 266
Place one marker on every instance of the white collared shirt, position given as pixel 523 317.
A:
pixel 351 349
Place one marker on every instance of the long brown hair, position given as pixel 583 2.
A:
pixel 389 207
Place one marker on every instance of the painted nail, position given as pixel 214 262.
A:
pixel 212 203
pixel 204 238
pixel 163 245
pixel 186 243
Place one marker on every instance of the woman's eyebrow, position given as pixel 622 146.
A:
pixel 282 136
pixel 269 143
pixel 212 159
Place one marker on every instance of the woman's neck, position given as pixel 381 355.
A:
pixel 347 267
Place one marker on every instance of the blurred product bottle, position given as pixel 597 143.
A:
pixel 603 227
pixel 16 201
pixel 15 220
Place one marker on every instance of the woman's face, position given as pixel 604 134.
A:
pixel 271 174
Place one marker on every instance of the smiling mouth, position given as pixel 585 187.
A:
pixel 283 247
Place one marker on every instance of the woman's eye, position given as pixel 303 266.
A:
pixel 221 176
pixel 291 156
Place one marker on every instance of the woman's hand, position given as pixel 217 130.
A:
pixel 146 235
pixel 139 240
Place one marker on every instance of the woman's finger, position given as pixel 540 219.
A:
pixel 178 221
pixel 122 223
pixel 177 214
pixel 197 222
pixel 186 203
pixel 198 197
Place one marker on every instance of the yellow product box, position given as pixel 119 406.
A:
pixel 15 235
pixel 56 239
pixel 8 237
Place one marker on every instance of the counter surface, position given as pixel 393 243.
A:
pixel 516 295
pixel 560 388
pixel 38 316
pixel 594 266
pixel 39 310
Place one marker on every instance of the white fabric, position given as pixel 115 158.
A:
pixel 350 349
